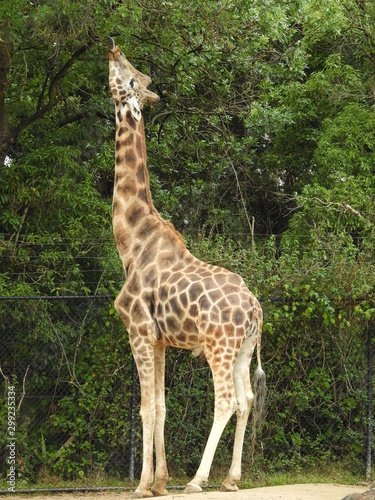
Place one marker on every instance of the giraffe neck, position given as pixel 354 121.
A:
pixel 132 199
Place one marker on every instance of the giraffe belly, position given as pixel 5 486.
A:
pixel 178 332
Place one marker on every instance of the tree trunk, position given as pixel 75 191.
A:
pixel 6 52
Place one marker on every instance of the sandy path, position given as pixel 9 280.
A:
pixel 291 492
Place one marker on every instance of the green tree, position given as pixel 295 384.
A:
pixel 263 142
pixel 55 220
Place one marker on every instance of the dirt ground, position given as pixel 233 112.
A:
pixel 292 492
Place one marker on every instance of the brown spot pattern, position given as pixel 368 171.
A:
pixel 130 120
pixel 186 302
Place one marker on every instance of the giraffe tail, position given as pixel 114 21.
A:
pixel 260 390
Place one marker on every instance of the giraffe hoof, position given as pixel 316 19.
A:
pixel 142 494
pixel 192 488
pixel 159 492
pixel 228 487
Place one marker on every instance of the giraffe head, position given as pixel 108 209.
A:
pixel 128 85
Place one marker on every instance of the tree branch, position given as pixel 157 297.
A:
pixel 23 388
pixel 53 99
pixel 7 381
pixel 352 210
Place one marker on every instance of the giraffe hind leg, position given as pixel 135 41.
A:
pixel 222 414
pixel 245 397
pixel 225 405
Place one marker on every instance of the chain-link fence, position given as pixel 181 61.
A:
pixel 67 372
pixel 71 371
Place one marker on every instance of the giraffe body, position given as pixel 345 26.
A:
pixel 170 298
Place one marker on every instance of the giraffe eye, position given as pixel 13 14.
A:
pixel 132 82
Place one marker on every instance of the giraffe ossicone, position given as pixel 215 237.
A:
pixel 170 298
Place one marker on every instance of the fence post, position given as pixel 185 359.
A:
pixel 132 420
pixel 369 403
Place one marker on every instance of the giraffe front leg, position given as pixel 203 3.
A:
pixel 161 471
pixel 144 358
pixel 140 326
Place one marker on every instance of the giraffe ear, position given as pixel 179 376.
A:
pixel 151 97
pixel 145 79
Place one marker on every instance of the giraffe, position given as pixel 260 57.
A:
pixel 170 298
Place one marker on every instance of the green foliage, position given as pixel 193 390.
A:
pixel 318 301
pixel 75 415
